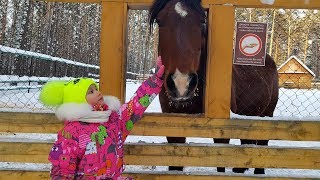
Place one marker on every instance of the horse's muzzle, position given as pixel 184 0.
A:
pixel 180 88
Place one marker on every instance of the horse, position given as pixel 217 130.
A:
pixel 254 92
pixel 183 47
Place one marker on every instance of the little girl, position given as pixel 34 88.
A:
pixel 90 145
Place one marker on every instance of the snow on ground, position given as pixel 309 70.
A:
pixel 293 104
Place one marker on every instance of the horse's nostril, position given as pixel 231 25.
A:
pixel 170 82
pixel 193 81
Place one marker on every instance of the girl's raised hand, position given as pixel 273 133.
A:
pixel 160 67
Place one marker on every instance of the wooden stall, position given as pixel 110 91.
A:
pixel 293 73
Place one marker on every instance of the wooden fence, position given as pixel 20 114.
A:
pixel 204 155
pixel 214 123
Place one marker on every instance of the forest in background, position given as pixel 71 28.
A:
pixel 72 31
pixel 290 32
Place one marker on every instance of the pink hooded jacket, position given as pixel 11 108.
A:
pixel 95 150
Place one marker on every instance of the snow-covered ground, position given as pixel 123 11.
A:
pixel 293 104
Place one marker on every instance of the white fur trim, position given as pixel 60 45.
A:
pixel 81 112
pixel 96 117
pixel 112 102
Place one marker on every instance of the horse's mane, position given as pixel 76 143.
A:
pixel 158 5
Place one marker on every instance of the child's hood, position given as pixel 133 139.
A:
pixel 84 112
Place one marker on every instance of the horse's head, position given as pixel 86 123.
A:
pixel 182 34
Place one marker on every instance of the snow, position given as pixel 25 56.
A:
pixel 6 49
pixel 289 107
pixel 293 104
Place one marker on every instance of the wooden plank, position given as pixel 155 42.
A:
pixel 225 128
pixel 207 155
pixel 179 126
pixel 39 175
pixel 112 48
pixel 145 4
pixel 18 175
pixel 29 123
pixel 71 1
pixel 290 4
pixel 219 68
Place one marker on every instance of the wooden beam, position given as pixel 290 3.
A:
pixel 71 1
pixel 112 48
pixel 18 175
pixel 289 4
pixel 219 68
pixel 145 4
pixel 169 175
pixel 204 155
pixel 179 126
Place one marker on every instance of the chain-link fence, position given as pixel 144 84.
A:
pixel 40 41
pixel 44 41
pixel 293 42
pixel 142 45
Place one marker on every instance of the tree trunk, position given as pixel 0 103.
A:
pixel 272 33
pixel 3 21
pixel 289 39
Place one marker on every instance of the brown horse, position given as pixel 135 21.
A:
pixel 183 47
pixel 254 93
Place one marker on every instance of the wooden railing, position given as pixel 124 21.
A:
pixel 150 154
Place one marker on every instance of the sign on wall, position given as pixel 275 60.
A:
pixel 250 45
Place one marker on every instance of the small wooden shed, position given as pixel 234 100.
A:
pixel 293 73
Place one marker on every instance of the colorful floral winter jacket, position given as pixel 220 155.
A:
pixel 95 150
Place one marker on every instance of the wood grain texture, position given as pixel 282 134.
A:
pixel 219 69
pixel 44 175
pixel 179 125
pixel 112 48
pixel 205 155
pixel 292 4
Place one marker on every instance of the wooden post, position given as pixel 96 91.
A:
pixel 112 48
pixel 219 68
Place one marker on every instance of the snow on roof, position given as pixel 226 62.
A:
pixel 7 49
pixel 300 62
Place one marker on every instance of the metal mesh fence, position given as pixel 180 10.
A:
pixel 142 45
pixel 44 41
pixel 293 42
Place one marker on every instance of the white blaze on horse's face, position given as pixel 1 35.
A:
pixel 181 82
pixel 179 9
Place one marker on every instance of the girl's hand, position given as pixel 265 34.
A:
pixel 160 68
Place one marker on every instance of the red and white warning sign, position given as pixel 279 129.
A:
pixel 250 44
pixel 250 47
